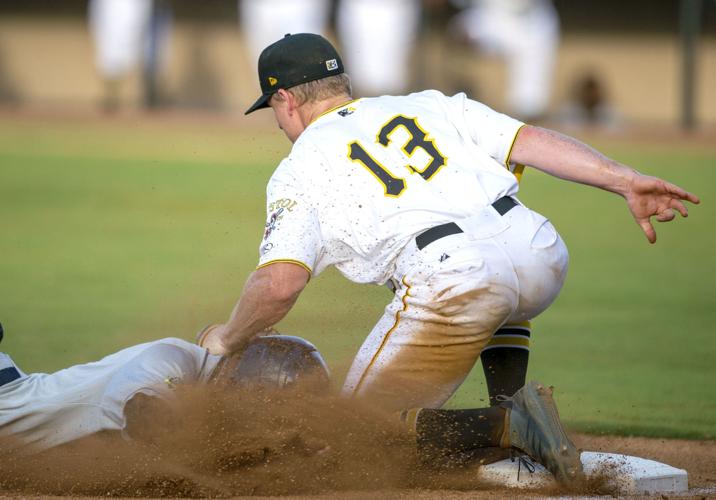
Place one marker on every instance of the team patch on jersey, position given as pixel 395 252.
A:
pixel 331 65
pixel 272 222
pixel 347 111
pixel 265 247
pixel 286 203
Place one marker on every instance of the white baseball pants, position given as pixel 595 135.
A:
pixel 453 295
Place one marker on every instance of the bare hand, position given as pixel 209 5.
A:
pixel 653 197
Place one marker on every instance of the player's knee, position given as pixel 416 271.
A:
pixel 147 417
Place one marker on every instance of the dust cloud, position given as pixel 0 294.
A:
pixel 217 443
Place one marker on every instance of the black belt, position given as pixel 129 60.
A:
pixel 503 205
pixel 9 374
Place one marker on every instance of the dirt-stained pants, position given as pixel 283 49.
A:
pixel 451 298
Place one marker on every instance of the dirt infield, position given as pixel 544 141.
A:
pixel 268 445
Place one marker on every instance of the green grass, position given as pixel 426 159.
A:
pixel 118 232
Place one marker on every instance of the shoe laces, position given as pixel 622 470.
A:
pixel 504 400
pixel 522 461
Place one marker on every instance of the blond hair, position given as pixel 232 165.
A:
pixel 319 90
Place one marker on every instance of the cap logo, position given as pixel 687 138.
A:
pixel 272 81
pixel 331 65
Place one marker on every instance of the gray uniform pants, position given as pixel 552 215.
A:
pixel 40 411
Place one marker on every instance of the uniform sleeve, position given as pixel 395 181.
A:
pixel 292 230
pixel 493 132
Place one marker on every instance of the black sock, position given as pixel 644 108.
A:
pixel 505 359
pixel 454 433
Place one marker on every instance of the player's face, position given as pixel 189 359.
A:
pixel 286 117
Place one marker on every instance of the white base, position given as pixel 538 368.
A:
pixel 628 475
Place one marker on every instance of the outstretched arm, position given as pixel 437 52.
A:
pixel 268 295
pixel 567 158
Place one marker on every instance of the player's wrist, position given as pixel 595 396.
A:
pixel 209 338
pixel 622 179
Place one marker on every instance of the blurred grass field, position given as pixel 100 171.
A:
pixel 117 232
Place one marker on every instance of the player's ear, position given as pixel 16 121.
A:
pixel 291 100
pixel 279 95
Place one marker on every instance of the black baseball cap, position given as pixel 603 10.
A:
pixel 293 60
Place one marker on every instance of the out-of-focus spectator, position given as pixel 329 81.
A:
pixel 126 32
pixel 266 21
pixel 526 34
pixel 8 88
pixel 589 103
pixel 377 37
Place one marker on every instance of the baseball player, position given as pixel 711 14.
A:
pixel 388 27
pixel 363 27
pixel 419 191
pixel 124 33
pixel 525 33
pixel 263 22
pixel 40 411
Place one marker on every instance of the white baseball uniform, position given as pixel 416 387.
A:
pixel 40 411
pixel 526 34
pixel 119 29
pixel 385 27
pixel 363 180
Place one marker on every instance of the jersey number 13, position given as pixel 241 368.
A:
pixel 394 186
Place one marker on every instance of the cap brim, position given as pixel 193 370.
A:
pixel 261 102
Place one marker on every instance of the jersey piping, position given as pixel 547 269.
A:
pixel 333 109
pixel 519 168
pixel 287 261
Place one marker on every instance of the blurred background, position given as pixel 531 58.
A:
pixel 132 187
pixel 605 62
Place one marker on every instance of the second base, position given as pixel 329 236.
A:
pixel 626 474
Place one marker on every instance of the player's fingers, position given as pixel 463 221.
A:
pixel 666 215
pixel 682 193
pixel 693 198
pixel 678 205
pixel 648 230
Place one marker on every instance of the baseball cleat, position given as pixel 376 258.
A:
pixel 533 426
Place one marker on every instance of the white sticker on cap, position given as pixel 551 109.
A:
pixel 331 64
